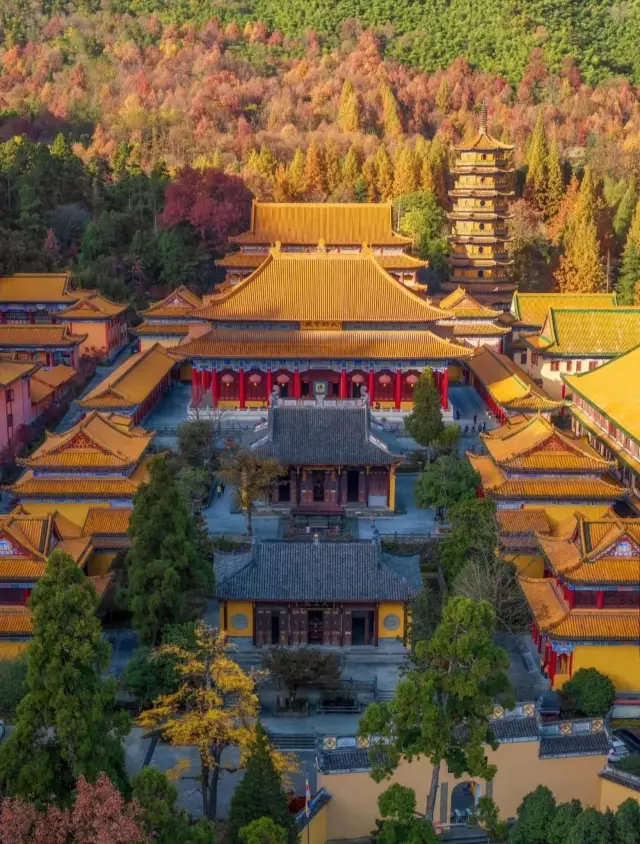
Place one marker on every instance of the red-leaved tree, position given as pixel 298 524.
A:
pixel 215 204
pixel 99 815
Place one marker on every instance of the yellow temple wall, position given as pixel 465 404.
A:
pixel 316 832
pixel 612 794
pixel 386 610
pixel 353 809
pixel 10 650
pixel 97 336
pixel 100 562
pixel 239 608
pixel 619 662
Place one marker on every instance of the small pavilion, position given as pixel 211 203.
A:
pixel 47 344
pixel 169 321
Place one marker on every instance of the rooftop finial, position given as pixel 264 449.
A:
pixel 483 118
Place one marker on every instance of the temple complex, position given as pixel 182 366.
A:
pixel 505 388
pixel 317 324
pixel 50 299
pixel 135 387
pixel 46 344
pixel 168 322
pixel 26 542
pixel 529 311
pixel 472 322
pixel 336 227
pixel 605 408
pixel 101 461
pixel 333 461
pixel 532 464
pixel 483 186
pixel 577 340
pixel 340 593
pixel 586 606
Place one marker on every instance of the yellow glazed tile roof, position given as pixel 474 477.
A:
pixel 588 333
pixel 36 287
pixel 554 618
pixel 40 336
pixel 178 304
pixel 508 385
pixel 497 485
pixel 12 370
pixel 608 389
pixel 108 520
pixel 320 287
pixel 131 383
pixel 15 620
pixel 55 376
pixel 523 521
pixel 43 487
pixel 152 329
pixel 531 309
pixel 252 260
pixel 483 142
pixel 464 305
pixel 478 329
pixel 94 441
pixel 39 391
pixel 392 345
pixel 92 306
pixel 538 445
pixel 309 223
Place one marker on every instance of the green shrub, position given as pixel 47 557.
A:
pixel 13 674
pixel 588 694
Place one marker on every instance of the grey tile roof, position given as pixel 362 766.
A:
pixel 622 778
pixel 515 729
pixel 592 744
pixel 347 759
pixel 294 570
pixel 335 436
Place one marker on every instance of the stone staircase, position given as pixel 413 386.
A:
pixel 292 742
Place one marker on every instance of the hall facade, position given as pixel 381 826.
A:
pixel 316 324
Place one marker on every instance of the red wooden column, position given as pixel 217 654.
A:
pixel 215 388
pixel 269 382
pixel 206 380
pixel 444 390
pixel 600 599
pixel 195 385
pixel 398 390
pixel 32 317
pixel 343 383
pixel 371 387
pixel 552 667
pixel 242 389
pixel 3 317
pixel 296 383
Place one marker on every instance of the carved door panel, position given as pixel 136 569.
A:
pixel 284 627
pixel 336 626
pixel 263 626
pixel 346 626
pixel 295 621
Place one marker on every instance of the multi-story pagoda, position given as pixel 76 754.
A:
pixel 586 607
pixel 480 209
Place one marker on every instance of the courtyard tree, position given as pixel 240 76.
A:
pixel 400 822
pixel 67 723
pixel 302 668
pixel 565 817
pixel 443 704
pixel 260 794
pixel 486 576
pixel 197 443
pixel 214 708
pixel 263 831
pixel 473 537
pixel 535 816
pixel 587 694
pixel 424 423
pixel 446 482
pixel 170 564
pixel 252 476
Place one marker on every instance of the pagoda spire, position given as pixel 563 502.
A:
pixel 483 118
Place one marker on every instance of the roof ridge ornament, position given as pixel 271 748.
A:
pixel 483 117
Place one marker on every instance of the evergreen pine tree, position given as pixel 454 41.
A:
pixel 537 164
pixel 350 168
pixel 559 225
pixel 370 179
pixel 439 167
pixel 170 560
pixel 266 162
pixel 581 268
pixel 555 182
pixel 67 724
pixel 315 184
pixel 424 423
pixel 384 174
pixel 626 209
pixel 349 108
pixel 260 793
pixel 296 173
pixel 333 173
pixel 405 174
pixel 391 121
pixel 630 271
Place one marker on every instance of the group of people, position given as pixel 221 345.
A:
pixel 220 489
pixel 480 428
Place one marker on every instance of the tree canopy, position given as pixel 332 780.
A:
pixel 446 482
pixel 424 423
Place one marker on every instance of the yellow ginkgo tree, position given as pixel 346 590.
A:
pixel 215 708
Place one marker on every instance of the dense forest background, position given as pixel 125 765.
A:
pixel 134 133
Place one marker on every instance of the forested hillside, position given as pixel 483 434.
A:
pixel 132 136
